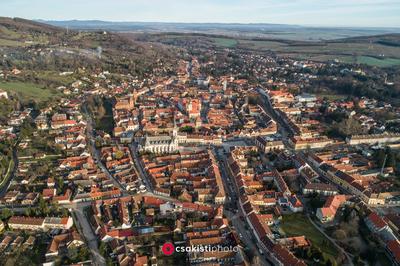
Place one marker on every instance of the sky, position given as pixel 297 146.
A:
pixel 350 13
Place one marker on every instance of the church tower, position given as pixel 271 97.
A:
pixel 132 99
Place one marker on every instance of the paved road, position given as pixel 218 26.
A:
pixel 95 152
pixel 144 178
pixel 283 127
pixel 86 231
pixel 269 109
pixel 246 236
pixel 6 185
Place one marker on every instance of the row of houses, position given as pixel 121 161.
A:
pixel 39 223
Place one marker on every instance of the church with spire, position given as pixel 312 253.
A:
pixel 167 143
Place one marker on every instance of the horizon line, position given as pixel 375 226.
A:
pixel 220 23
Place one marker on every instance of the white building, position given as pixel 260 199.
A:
pixel 58 223
pixel 161 143
pixel 305 98
pixel 3 94
pixel 373 138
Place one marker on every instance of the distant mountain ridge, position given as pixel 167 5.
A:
pixel 20 23
pixel 284 31
pixel 97 23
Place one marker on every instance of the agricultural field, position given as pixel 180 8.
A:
pixel 373 53
pixel 261 45
pixel 225 42
pixel 372 61
pixel 359 53
pixel 11 43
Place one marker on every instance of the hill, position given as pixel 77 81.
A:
pixel 386 39
pixel 36 46
pixel 250 30
pixel 377 50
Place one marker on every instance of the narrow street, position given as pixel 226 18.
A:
pixel 86 231
pixel 6 184
pixel 139 168
pixel 269 109
pixel 95 152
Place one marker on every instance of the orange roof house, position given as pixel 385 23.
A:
pixel 328 211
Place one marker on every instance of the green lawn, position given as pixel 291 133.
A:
pixel 225 42
pixel 298 224
pixel 332 96
pixel 29 91
pixel 387 62
pixel 54 76
pixel 261 45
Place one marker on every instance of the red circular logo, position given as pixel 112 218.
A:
pixel 168 249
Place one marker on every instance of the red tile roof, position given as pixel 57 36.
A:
pixel 26 220
pixel 394 247
pixel 286 257
pixel 377 220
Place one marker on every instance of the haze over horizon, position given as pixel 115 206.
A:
pixel 340 13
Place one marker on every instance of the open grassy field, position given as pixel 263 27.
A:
pixel 261 45
pixel 298 224
pixel 11 43
pixel 331 96
pixel 385 62
pixel 54 76
pixel 29 91
pixel 225 42
pixel 13 38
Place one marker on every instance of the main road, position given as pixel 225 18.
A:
pixel 246 235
